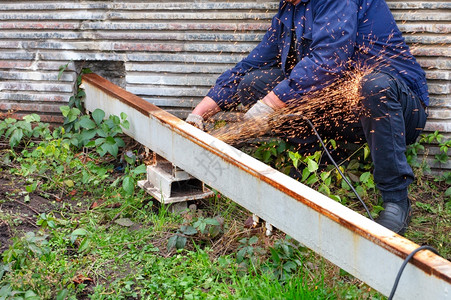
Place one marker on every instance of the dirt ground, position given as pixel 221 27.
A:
pixel 14 210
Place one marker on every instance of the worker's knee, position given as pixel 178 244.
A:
pixel 378 89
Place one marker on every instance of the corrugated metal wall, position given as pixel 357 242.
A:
pixel 172 52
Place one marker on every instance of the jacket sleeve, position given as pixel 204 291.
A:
pixel 266 54
pixel 333 36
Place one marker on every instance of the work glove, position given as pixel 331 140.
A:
pixel 259 111
pixel 259 114
pixel 196 121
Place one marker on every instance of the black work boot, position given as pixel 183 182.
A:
pixel 394 217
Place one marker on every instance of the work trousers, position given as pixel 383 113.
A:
pixel 391 116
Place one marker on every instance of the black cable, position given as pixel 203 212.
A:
pixel 335 164
pixel 409 257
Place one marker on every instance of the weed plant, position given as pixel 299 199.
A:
pixel 98 237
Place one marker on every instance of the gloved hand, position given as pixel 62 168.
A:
pixel 258 111
pixel 258 115
pixel 196 121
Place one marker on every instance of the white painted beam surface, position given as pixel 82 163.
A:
pixel 363 248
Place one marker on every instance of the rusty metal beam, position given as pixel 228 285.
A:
pixel 356 244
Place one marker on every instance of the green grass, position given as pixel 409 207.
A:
pixel 73 227
pixel 79 252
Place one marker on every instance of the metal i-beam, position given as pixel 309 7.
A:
pixel 356 244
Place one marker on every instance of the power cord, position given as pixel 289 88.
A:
pixel 409 257
pixel 332 160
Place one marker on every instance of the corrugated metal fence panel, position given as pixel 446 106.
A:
pixel 427 26
pixel 173 51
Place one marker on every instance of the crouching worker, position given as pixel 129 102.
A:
pixel 309 44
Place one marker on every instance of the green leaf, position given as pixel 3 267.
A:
pixel 79 232
pixel 62 295
pixel 360 190
pixel 240 255
pixel 324 189
pixel 448 192
pixel 87 135
pixel 253 240
pixel 123 116
pixel 172 241
pixel 72 115
pixel 312 179
pixel 188 230
pixel 353 165
pixel 76 233
pixel 90 144
pixel 30 295
pixel 213 222
pixel 366 151
pixel 180 242
pixel 214 231
pixel 312 165
pixel 266 156
pixel 119 142
pixel 101 132
pixel 81 94
pixel 305 174
pixel 333 143
pixel 325 175
pixel 31 188
pixel 110 140
pixel 69 183
pixel 16 137
pixel 141 169
pixel 86 123
pixel 128 184
pixel 99 141
pixel 32 118
pixel 84 245
pixel 295 157
pixel 126 124
pixel 275 256
pixel 63 68
pixel 113 150
pixel 335 197
pixel 98 115
pixel 365 177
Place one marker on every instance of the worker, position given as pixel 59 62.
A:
pixel 311 43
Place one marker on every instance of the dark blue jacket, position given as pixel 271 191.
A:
pixel 330 34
